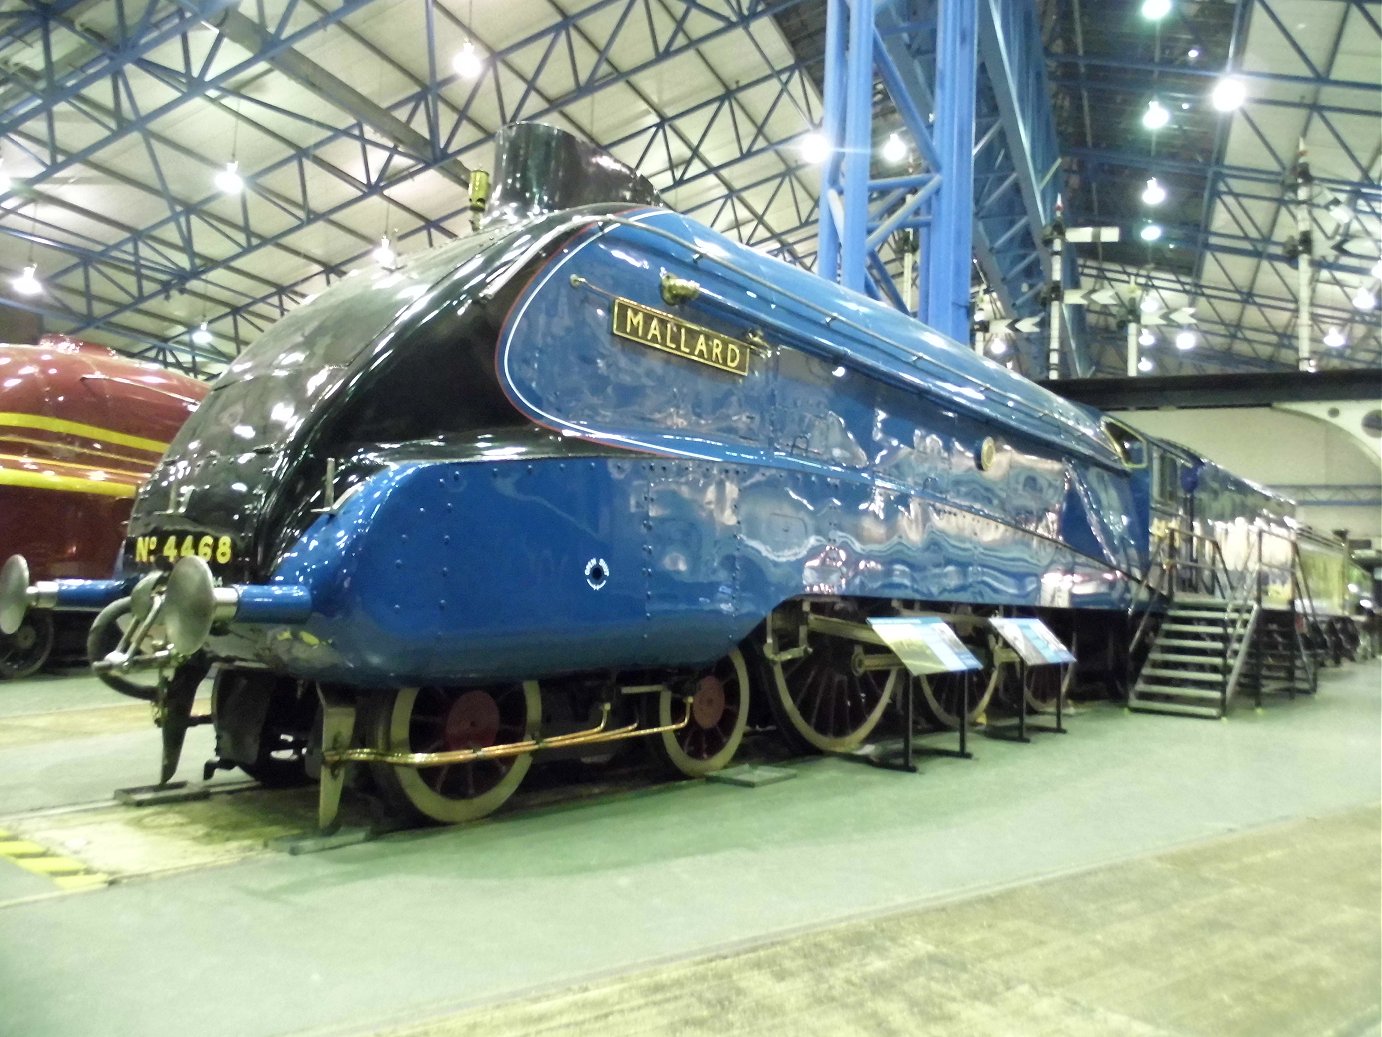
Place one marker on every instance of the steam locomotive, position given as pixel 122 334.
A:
pixel 597 472
pixel 80 429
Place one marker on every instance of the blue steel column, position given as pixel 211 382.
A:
pixel 946 264
pixel 832 128
pixel 858 146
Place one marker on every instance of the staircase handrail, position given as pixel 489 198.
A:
pixel 1158 569
pixel 1301 597
pixel 1239 621
pixel 1307 608
pixel 1208 575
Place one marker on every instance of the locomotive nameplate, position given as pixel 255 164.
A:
pixel 662 331
pixel 162 550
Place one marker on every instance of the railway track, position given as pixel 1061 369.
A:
pixel 86 843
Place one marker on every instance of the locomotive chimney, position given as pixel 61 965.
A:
pixel 539 168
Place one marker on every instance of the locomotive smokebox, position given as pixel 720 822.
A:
pixel 539 169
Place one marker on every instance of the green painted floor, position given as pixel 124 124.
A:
pixel 424 925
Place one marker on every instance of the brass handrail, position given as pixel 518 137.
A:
pixel 590 736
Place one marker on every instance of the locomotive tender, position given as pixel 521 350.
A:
pixel 592 472
pixel 80 429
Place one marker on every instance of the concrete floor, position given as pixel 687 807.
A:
pixel 420 927
pixel 1267 932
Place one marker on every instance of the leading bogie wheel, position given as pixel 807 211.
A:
pixel 719 716
pixel 443 719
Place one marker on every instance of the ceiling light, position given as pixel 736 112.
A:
pixel 1364 299
pixel 467 62
pixel 1193 53
pixel 1185 340
pixel 384 254
pixel 814 148
pixel 1334 338
pixel 1144 365
pixel 201 336
pixel 228 180
pixel 1149 304
pixel 1155 194
pixel 1185 106
pixel 27 283
pixel 998 345
pixel 1155 117
pixel 1229 93
pixel 1147 338
pixel 894 150
pixel 1155 10
pixel 1151 232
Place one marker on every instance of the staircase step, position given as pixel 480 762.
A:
pixel 1158 656
pixel 1187 598
pixel 1196 676
pixel 1197 613
pixel 1215 644
pixel 1210 713
pixel 1186 628
pixel 1203 694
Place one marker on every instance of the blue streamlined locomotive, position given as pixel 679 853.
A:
pixel 594 464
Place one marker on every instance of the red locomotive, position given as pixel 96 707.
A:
pixel 81 427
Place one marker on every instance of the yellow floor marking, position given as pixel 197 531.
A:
pixel 53 865
pixel 20 848
pixel 67 874
pixel 87 880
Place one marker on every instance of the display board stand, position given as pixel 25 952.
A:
pixel 926 645
pixel 1028 642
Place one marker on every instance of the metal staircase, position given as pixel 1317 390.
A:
pixel 1207 635
pixel 1197 657
pixel 1201 642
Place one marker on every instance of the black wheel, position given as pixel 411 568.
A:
pixel 827 701
pixel 282 761
pixel 26 650
pixel 264 722
pixel 436 719
pixel 719 716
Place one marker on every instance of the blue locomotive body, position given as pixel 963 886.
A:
pixel 597 460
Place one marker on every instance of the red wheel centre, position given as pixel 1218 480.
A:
pixel 472 721
pixel 708 703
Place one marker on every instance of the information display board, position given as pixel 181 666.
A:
pixel 1033 641
pixel 925 644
